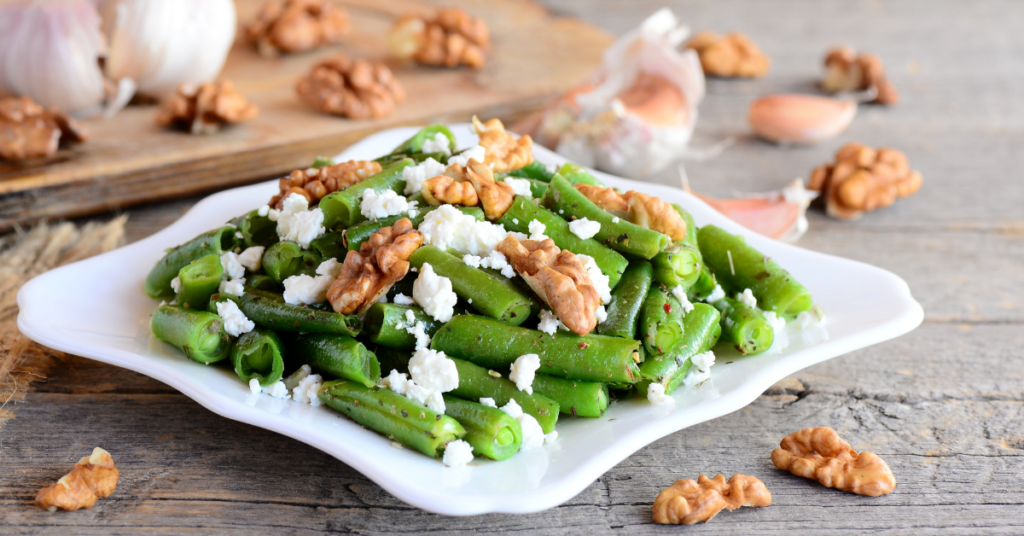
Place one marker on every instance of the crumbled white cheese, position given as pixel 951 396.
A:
pixel 439 144
pixel 375 206
pixel 551 437
pixel 252 258
pixel 296 224
pixel 415 176
pixel 430 398
pixel 489 402
pixel 434 294
pixel 812 327
pixel 477 152
pixel 615 219
pixel 601 282
pixel 239 235
pixel 703 361
pixel 780 339
pixel 537 230
pixel 700 371
pixel 305 290
pixel 457 453
pixel 329 267
pixel 254 386
pixel 656 395
pixel 402 299
pixel 747 297
pixel 549 323
pixel 419 330
pixel 584 228
pixel 397 382
pixel 235 287
pixel 601 314
pixel 524 370
pixel 679 293
pixel 410 316
pixel 294 378
pixel 277 390
pixel 716 294
pixel 495 260
pixel 515 221
pixel 513 409
pixel 447 227
pixel 232 268
pixel 176 284
pixel 307 389
pixel 471 260
pixel 519 186
pixel 533 434
pixel 433 370
pixel 235 322
pixel 263 211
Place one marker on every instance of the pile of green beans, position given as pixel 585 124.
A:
pixel 217 241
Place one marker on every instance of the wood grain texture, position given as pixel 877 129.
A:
pixel 943 405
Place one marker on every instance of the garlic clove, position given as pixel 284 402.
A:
pixel 805 119
pixel 779 214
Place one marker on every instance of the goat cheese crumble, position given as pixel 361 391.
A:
pixel 232 268
pixel 277 390
pixel 434 294
pixel 297 224
pixel 684 301
pixel 601 314
pixel 375 206
pixel 235 287
pixel 252 258
pixel 549 323
pixel 254 386
pixel 415 176
pixel 433 370
pixel 537 231
pixel 716 294
pixel 489 402
pixel 615 219
pixel 263 211
pixel 477 152
pixel 812 326
pixel 584 228
pixel 457 453
pixel 439 144
pixel 402 299
pixel 747 297
pixel 524 370
pixel 306 290
pixel 495 260
pixel 519 186
pixel 176 284
pixel 700 371
pixel 780 340
pixel 656 395
pixel 533 434
pixel 600 281
pixel 447 227
pixel 235 322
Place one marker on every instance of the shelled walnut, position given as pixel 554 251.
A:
pixel 863 179
pixel 289 26
pixel 470 185
pixel 314 184
pixel 451 38
pixel 206 108
pixel 93 477
pixel 687 501
pixel 505 152
pixel 820 454
pixel 356 89
pixel 27 130
pixel 369 273
pixel 845 70
pixel 731 55
pixel 639 208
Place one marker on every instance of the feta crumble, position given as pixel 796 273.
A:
pixel 549 323
pixel 471 260
pixel 419 330
pixel 375 206
pixel 513 409
pixel 235 287
pixel 477 152
pixel 294 378
pixel 524 370
pixel 812 326
pixel 232 268
pixel 615 219
pixel 434 294
pixel 447 227
pixel 780 339
pixel 716 294
pixel 239 235
pixel 489 402
pixel 519 186
pixel 684 301
pixel 297 224
pixel 747 297
pixel 537 231
pixel 254 386
pixel 431 369
pixel 551 437
pixel 600 281
pixel 402 299
pixel 264 210
pixel 176 285
pixel 601 314
pixel 415 176
pixel 307 389
pixel 533 434
pixel 252 258
pixel 457 453
pixel 584 228
pixel 700 370
pixel 656 395
pixel 397 382
pixel 495 260
pixel 277 390
pixel 306 290
pixel 235 322
pixel 439 144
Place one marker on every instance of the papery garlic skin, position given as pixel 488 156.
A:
pixel 161 44
pixel 50 50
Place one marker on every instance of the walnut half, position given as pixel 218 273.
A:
pixel 732 55
pixel 356 89
pixel 93 477
pixel 470 185
pixel 291 26
pixel 27 130
pixel 314 184
pixel 642 209
pixel 451 38
pixel 205 108
pixel 687 501
pixel 863 179
pixel 820 454
pixel 845 70
pixel 505 152
pixel 369 273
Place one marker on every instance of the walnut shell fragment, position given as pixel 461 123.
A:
pixel 687 501
pixel 27 130
pixel 731 55
pixel 290 26
pixel 820 454
pixel 505 152
pixel 639 208
pixel 356 89
pixel 863 179
pixel 558 277
pixel 451 38
pixel 205 108
pixel 369 273
pixel 314 184
pixel 93 477
pixel 845 70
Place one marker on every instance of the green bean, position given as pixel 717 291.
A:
pixel 337 356
pixel 257 354
pixel 704 285
pixel 677 265
pixel 744 327
pixel 415 143
pixel 322 162
pixel 381 325
pixel 392 415
pixel 200 280
pixel 627 299
pixel 263 282
pixel 493 433
pixel 617 233
pixel 739 266
pixel 691 226
pixel 341 208
pixel 523 211
pixel 577 174
pixel 199 334
pixel 392 359
pixel 361 232
pixel 701 329
pixel 534 170
pixel 285 259
pixel 256 230
pixel 494 296
pixel 490 343
pixel 574 397
pixel 269 310
pixel 158 282
pixel 476 382
pixel 330 246
pixel 661 322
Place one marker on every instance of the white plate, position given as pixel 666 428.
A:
pixel 97 308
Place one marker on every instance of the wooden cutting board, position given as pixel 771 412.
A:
pixel 129 160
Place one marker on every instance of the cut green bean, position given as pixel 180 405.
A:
pixel 336 356
pixel 341 208
pixel 574 397
pixel 200 280
pixel 496 345
pixel 744 327
pixel 691 226
pixel 534 170
pixel 321 162
pixel 704 285
pixel 493 433
pixel 256 230
pixel 476 382
pixel 330 246
pixel 415 143
pixel 577 174
pixel 701 329
pixel 257 354
pixel 217 241
pixel 285 259
pixel 263 282
pixel 661 322
pixel 739 266
pixel 199 334
pixel 677 265
pixel 382 320
pixel 523 211
pixel 361 232
pixel 617 233
pixel 269 310
pixel 392 415
pixel 627 299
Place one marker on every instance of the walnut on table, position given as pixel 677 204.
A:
pixel 205 108
pixel 845 70
pixel 314 184
pixel 470 185
pixel 687 501
pixel 820 454
pixel 93 477
pixel 505 152
pixel 369 273
pixel 558 277
pixel 863 179
pixel 731 55
pixel 27 130
pixel 451 38
pixel 639 208
pixel 289 26
pixel 356 89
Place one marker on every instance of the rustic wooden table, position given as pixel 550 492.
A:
pixel 944 405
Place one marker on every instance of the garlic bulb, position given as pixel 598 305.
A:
pixel 161 44
pixel 50 52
